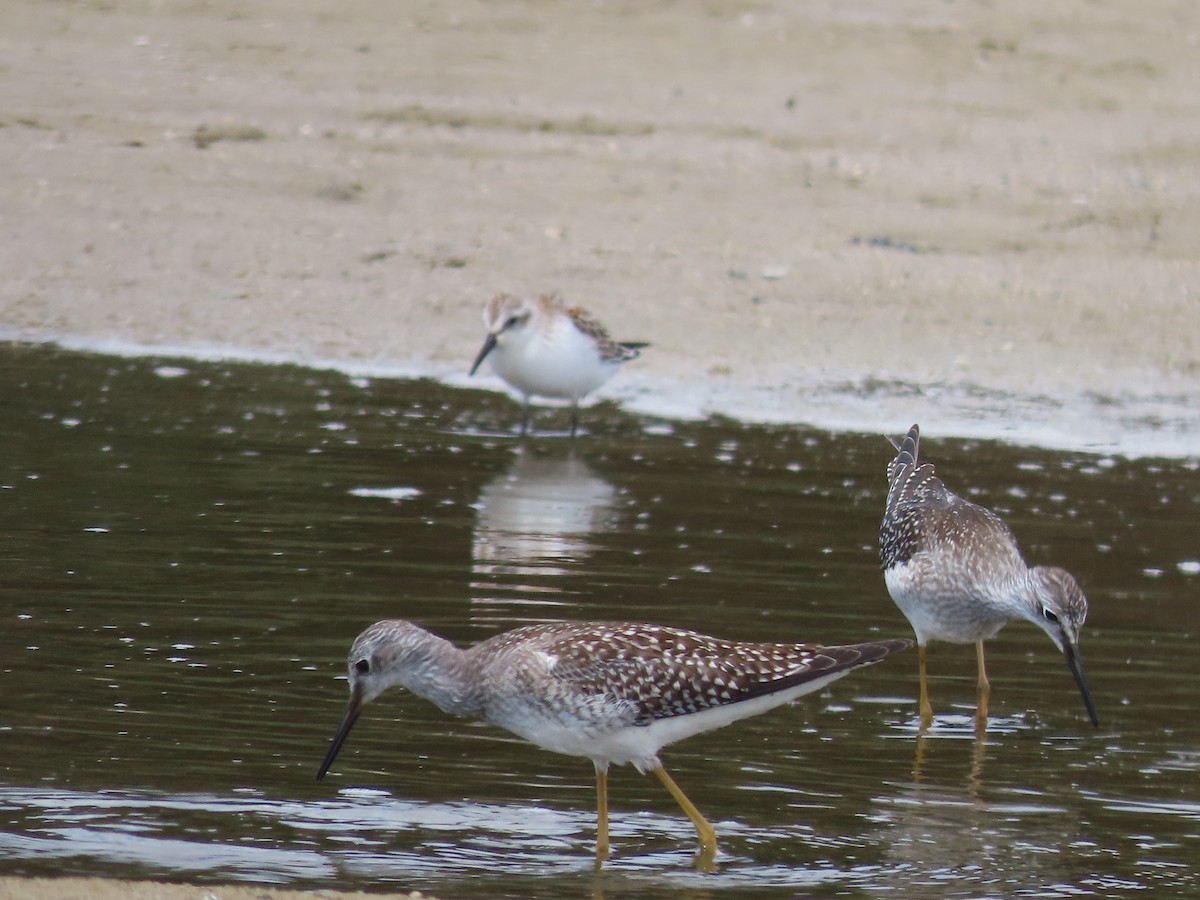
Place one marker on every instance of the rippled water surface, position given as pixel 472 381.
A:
pixel 189 549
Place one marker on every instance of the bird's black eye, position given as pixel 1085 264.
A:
pixel 362 667
pixel 1048 615
pixel 512 320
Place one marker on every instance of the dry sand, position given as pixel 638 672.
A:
pixel 852 214
pixel 982 216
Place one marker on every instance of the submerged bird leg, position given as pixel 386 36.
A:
pixel 705 831
pixel 926 708
pixel 982 690
pixel 602 846
pixel 574 416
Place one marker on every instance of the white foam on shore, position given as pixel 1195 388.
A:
pixel 1159 424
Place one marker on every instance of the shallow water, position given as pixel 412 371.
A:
pixel 190 548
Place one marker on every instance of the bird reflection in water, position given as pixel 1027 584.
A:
pixel 537 521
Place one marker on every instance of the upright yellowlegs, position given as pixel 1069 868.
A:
pixel 954 569
pixel 544 348
pixel 614 692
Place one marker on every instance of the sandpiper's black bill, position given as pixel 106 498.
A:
pixel 1076 664
pixel 488 344
pixel 343 732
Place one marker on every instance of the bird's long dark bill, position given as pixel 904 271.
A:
pixel 343 732
pixel 483 351
pixel 1076 663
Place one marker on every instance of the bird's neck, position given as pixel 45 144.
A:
pixel 444 676
pixel 1025 594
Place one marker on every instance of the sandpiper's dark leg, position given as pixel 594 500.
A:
pixel 524 417
pixel 705 831
pixel 574 417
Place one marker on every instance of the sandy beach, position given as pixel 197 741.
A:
pixel 845 215
pixel 853 215
pixel 849 215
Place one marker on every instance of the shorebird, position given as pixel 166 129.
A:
pixel 614 692
pixel 544 348
pixel 955 570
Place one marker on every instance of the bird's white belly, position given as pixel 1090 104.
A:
pixel 562 366
pixel 639 744
pixel 937 610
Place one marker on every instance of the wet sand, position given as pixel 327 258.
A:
pixel 856 214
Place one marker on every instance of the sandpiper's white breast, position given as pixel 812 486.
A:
pixel 554 359
pixel 611 743
pixel 942 612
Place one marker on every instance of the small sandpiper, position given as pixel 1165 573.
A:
pixel 614 692
pixel 955 570
pixel 544 348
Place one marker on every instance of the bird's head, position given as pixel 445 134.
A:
pixel 507 318
pixel 1059 608
pixel 383 656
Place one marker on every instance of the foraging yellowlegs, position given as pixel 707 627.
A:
pixel 544 348
pixel 954 569
pixel 614 692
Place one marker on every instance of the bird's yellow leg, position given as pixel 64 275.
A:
pixel 602 847
pixel 926 709
pixel 705 831
pixel 982 690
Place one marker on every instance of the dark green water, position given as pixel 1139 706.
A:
pixel 189 549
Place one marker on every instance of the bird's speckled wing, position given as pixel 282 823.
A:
pixel 924 516
pixel 610 350
pixel 666 672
